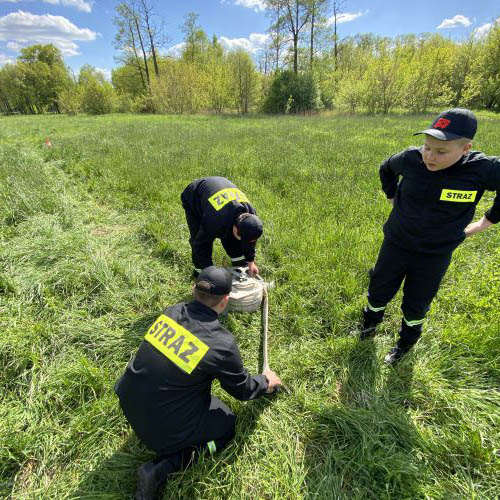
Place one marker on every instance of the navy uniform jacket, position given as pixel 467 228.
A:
pixel 166 387
pixel 432 208
pixel 217 202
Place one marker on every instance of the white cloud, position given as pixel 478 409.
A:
pixel 483 30
pixel 15 46
pixel 82 5
pixel 175 50
pixel 6 59
pixel 20 29
pixel 256 5
pixel 458 20
pixel 106 72
pixel 252 44
pixel 345 17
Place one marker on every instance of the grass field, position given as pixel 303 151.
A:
pixel 93 245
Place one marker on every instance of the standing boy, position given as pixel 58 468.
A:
pixel 216 208
pixel 165 390
pixel 433 206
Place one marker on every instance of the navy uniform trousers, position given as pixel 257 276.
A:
pixel 422 274
pixel 216 429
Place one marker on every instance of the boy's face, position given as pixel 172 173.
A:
pixel 438 155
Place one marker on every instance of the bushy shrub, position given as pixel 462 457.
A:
pixel 123 103
pixel 143 104
pixel 98 98
pixel 293 93
pixel 70 100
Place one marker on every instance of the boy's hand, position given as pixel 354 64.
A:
pixel 477 227
pixel 273 380
pixel 252 269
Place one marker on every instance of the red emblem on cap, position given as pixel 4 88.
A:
pixel 442 123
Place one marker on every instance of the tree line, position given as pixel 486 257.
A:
pixel 304 66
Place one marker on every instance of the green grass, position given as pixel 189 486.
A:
pixel 93 245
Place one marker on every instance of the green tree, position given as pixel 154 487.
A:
pixel 197 44
pixel 131 39
pixel 12 89
pixel 70 99
pixel 97 95
pixel 218 78
pixel 426 75
pixel 244 80
pixel 126 79
pixel 465 57
pixel 179 89
pixel 489 70
pixel 43 76
pixel 292 17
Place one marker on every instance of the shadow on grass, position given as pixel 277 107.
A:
pixel 115 477
pixel 357 387
pixel 363 444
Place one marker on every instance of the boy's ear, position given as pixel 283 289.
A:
pixel 467 147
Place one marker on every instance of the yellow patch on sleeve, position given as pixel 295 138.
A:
pixel 176 343
pixel 221 198
pixel 458 196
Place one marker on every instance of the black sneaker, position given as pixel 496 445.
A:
pixel 370 322
pixel 151 481
pixel 395 355
pixel 368 332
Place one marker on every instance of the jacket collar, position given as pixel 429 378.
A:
pixel 202 309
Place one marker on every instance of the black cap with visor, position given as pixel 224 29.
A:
pixel 456 123
pixel 214 281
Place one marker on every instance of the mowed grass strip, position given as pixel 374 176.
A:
pixel 93 244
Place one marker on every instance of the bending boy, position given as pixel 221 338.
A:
pixel 216 208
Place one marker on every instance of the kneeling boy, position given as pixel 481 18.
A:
pixel 165 391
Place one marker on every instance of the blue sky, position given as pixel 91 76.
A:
pixel 84 31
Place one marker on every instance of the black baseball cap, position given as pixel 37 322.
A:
pixel 250 227
pixel 456 123
pixel 214 280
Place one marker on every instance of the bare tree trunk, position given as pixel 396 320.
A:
pixel 146 11
pixel 136 56
pixel 294 19
pixel 313 14
pixel 143 49
pixel 278 29
pixel 337 6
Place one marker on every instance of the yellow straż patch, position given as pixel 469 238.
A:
pixel 221 198
pixel 456 195
pixel 176 343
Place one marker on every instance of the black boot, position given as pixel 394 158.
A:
pixel 396 354
pixel 152 478
pixel 408 337
pixel 370 321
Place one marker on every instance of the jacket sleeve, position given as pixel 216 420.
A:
pixel 389 172
pixel 249 250
pixel 493 184
pixel 235 379
pixel 249 253
pixel 202 246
